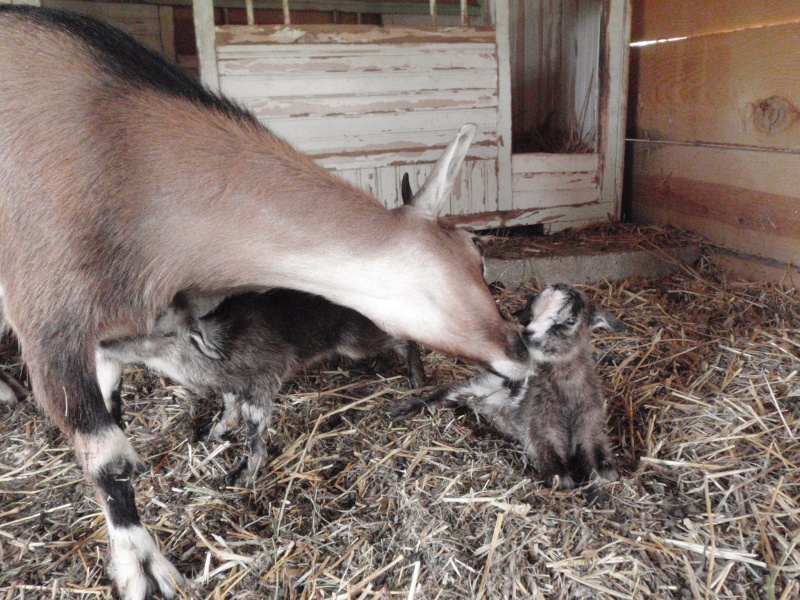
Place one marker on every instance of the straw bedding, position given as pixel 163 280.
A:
pixel 704 413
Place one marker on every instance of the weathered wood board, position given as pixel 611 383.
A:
pixel 741 88
pixel 657 19
pixel 372 103
pixel 746 200
pixel 714 117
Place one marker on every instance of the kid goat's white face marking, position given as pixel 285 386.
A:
pixel 545 313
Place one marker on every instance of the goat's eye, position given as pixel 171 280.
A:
pixel 571 321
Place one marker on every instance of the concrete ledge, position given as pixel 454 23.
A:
pixel 585 268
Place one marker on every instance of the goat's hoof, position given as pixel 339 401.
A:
pixel 559 481
pixel 139 569
pixel 407 408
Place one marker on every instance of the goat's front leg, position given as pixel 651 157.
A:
pixel 64 384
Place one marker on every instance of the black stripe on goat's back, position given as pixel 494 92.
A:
pixel 125 58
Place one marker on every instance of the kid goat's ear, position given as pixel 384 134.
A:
pixel 600 319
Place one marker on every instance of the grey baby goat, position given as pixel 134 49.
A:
pixel 557 412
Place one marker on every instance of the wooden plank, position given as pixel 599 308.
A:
pixel 332 106
pixel 384 183
pixel 549 182
pixel 203 15
pixel 416 128
pixel 348 34
pixel 656 19
pixel 505 197
pixel 398 155
pixel 740 88
pixel 554 218
pixel 554 163
pixel 572 198
pixel 166 21
pixel 369 58
pixel 614 101
pixel 744 200
pixel 260 86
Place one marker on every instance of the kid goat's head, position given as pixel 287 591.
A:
pixel 558 321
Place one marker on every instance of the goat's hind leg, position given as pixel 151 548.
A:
pixel 65 386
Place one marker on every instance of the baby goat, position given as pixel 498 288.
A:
pixel 557 412
pixel 244 350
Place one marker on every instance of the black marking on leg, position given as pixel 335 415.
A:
pixel 116 404
pixel 579 465
pixel 604 463
pixel 114 483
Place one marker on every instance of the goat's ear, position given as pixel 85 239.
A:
pixel 405 190
pixel 209 339
pixel 600 319
pixel 436 190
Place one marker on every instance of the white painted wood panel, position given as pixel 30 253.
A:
pixel 371 108
pixel 273 108
pixel 475 181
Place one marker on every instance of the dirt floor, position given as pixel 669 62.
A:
pixel 704 414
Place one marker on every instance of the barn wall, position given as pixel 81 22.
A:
pixel 714 122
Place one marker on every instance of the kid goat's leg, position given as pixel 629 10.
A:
pixel 64 383
pixel 257 414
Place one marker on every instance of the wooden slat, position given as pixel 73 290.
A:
pixel 139 20
pixel 203 16
pixel 740 88
pixel 657 19
pixel 320 58
pixel 535 199
pixel 555 163
pixel 554 218
pixel 417 128
pixel 268 108
pixel 260 86
pixel 553 182
pixel 744 200
pixel 614 101
pixel 348 34
pixel 384 183
pixel 505 198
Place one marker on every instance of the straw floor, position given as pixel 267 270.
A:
pixel 704 414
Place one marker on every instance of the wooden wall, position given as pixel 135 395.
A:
pixel 713 120
pixel 373 103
